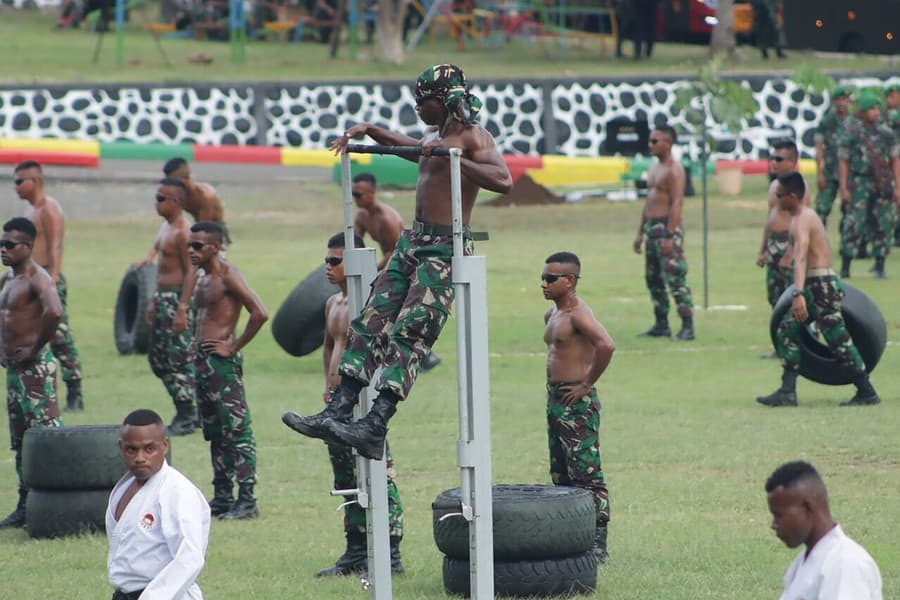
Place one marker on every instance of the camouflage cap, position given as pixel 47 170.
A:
pixel 866 101
pixel 447 83
pixel 842 91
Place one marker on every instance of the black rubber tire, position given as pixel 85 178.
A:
pixel 299 324
pixel 130 327
pixel 565 576
pixel 530 522
pixel 865 324
pixel 81 457
pixel 60 513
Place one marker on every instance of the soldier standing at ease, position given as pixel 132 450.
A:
pixel 170 351
pixel 869 183
pixel 665 265
pixel 220 293
pixel 578 351
pixel 48 219
pixel 892 120
pixel 826 140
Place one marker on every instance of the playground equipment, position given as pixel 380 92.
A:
pixel 473 449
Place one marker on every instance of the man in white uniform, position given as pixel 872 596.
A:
pixel 834 567
pixel 157 520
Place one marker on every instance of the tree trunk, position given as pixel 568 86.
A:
pixel 389 30
pixel 723 38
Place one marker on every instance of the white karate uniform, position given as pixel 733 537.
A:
pixel 159 543
pixel 837 568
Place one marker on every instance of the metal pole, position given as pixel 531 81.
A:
pixel 120 31
pixel 371 475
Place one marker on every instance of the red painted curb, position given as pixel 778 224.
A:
pixel 49 157
pixel 519 163
pixel 748 167
pixel 260 155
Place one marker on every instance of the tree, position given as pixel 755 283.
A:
pixel 389 27
pixel 723 41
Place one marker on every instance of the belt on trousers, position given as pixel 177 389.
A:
pixel 432 229
pixel 168 288
pixel 120 595
pixel 820 272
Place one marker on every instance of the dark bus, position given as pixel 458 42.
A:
pixel 855 26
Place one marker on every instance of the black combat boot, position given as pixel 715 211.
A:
pixel 878 269
pixel 340 409
pixel 17 517
pixel 865 393
pixel 430 361
pixel 659 329
pixel 183 422
pixel 598 549
pixel 367 434
pixel 245 507
pixel 223 498
pixel 687 329
pixel 786 395
pixel 845 266
pixel 353 561
pixel 396 563
pixel 74 401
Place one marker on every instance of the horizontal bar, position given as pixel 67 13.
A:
pixel 398 150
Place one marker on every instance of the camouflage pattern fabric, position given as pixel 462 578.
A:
pixel 666 271
pixel 30 400
pixel 777 278
pixel 63 344
pixel 825 199
pixel 408 306
pixel 343 464
pixel 871 213
pixel 827 133
pixel 170 354
pixel 573 434
pixel 823 302
pixel 225 416
pixel 447 83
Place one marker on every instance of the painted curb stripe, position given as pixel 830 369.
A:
pixel 47 157
pixel 132 151
pixel 51 145
pixel 259 155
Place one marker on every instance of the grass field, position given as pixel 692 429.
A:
pixel 686 448
pixel 64 56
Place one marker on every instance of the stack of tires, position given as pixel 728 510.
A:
pixel 70 472
pixel 542 541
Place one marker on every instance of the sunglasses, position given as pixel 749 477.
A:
pixel 777 158
pixel 654 140
pixel 21 180
pixel 9 245
pixel 198 246
pixel 356 194
pixel 333 260
pixel 551 278
pixel 162 198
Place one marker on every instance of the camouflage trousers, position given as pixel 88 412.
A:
pixel 63 344
pixel 823 302
pixel 825 199
pixel 30 400
pixel 777 278
pixel 868 217
pixel 573 433
pixel 661 271
pixel 170 353
pixel 226 417
pixel 407 308
pixel 343 464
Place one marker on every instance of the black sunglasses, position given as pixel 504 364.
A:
pixel 356 194
pixel 654 140
pixel 198 246
pixel 9 244
pixel 551 278
pixel 21 180
pixel 161 198
pixel 333 260
pixel 777 158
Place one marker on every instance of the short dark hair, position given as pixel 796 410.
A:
pixel 793 183
pixel 173 164
pixel 142 417
pixel 568 258
pixel 785 144
pixel 209 227
pixel 23 225
pixel 29 164
pixel 337 241
pixel 668 130
pixel 174 182
pixel 790 474
pixel 365 177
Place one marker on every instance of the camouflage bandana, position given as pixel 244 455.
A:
pixel 447 83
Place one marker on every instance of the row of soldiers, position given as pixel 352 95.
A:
pixel 856 162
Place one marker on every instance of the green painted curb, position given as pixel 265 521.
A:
pixel 132 151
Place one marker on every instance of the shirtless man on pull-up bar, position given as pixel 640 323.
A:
pixel 411 298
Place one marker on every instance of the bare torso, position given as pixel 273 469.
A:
pixel 21 309
pixel 202 202
pixel 337 320
pixel 780 220
pixel 173 263
pixel 569 353
pixel 383 224
pixel 217 309
pixel 818 253
pixel 659 189
pixel 43 216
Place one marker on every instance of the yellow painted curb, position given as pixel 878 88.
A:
pixel 807 166
pixel 300 157
pixel 51 145
pixel 567 170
